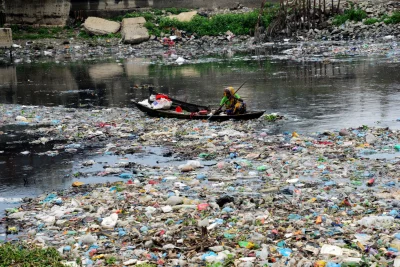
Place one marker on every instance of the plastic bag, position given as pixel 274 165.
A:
pixel 162 104
pixel 145 103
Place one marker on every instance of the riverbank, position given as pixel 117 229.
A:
pixel 238 195
pixel 362 24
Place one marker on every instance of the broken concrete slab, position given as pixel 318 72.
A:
pixel 5 38
pixel 99 26
pixel 133 30
pixel 184 16
pixel 131 21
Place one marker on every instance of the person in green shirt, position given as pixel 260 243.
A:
pixel 233 103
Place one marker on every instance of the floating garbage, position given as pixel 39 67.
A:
pixel 237 195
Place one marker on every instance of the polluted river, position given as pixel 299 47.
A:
pixel 318 186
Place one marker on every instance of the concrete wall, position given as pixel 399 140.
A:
pixel 56 12
pixel 37 12
pixel 5 37
pixel 108 8
pixel 131 4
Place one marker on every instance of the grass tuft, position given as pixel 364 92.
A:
pixel 371 21
pixel 393 19
pixel 21 255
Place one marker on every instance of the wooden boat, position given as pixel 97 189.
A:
pixel 193 115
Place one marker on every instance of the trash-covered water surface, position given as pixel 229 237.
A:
pixel 221 194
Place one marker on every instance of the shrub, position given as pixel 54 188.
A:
pixel 393 19
pixel 21 255
pixel 238 24
pixel 152 28
pixel 371 21
pixel 350 14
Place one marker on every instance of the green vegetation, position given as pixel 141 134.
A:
pixel 239 24
pixel 28 32
pixel 111 260
pixel 236 23
pixel 271 117
pixel 228 262
pixel 21 255
pixel 157 23
pixel 350 14
pixel 393 19
pixel 146 265
pixel 371 21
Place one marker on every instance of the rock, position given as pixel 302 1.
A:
pixel 369 10
pixel 174 200
pixel 99 26
pixel 133 30
pixel 184 16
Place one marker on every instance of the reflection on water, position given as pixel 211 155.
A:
pixel 312 95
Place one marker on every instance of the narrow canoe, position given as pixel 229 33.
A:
pixel 193 116
pixel 186 106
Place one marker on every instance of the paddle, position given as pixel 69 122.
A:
pixel 227 100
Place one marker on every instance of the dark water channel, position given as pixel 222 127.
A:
pixel 311 95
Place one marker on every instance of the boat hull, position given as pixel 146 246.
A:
pixel 193 116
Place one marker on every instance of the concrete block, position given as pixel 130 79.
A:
pixel 5 38
pixel 133 30
pixel 131 21
pixel 184 16
pixel 99 26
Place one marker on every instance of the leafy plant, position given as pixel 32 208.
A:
pixel 22 255
pixel 238 24
pixel 271 117
pixel 350 14
pixel 393 19
pixel 152 28
pixel 111 260
pixel 371 21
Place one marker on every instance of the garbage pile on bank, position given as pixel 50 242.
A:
pixel 243 196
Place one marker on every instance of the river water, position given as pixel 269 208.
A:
pixel 312 96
